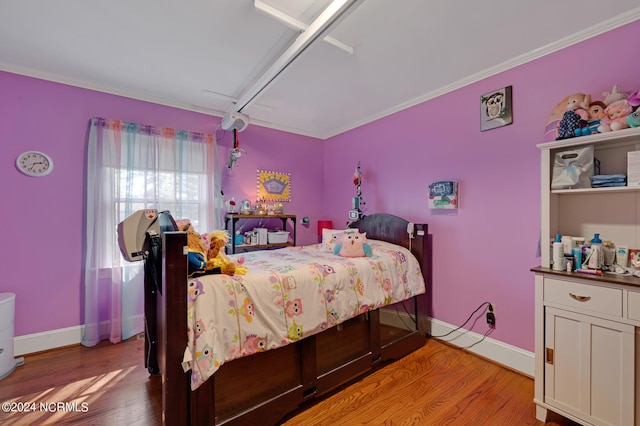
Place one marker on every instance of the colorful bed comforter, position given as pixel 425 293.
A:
pixel 286 295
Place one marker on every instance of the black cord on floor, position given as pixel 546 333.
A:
pixel 489 331
pixel 465 323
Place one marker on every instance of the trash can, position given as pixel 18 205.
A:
pixel 7 313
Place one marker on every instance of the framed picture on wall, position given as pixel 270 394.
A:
pixel 496 109
pixel 274 186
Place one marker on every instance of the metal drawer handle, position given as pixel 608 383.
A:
pixel 580 298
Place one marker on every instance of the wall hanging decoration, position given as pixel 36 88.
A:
pixel 495 109
pixel 443 195
pixel 357 202
pixel 274 186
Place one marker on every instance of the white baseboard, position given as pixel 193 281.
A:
pixel 495 350
pixel 46 340
pixel 502 353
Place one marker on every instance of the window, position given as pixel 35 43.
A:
pixel 132 167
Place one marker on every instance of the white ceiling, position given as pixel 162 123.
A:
pixel 203 54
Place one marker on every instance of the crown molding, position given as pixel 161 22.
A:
pixel 575 38
pixel 578 37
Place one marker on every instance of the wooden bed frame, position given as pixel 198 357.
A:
pixel 263 388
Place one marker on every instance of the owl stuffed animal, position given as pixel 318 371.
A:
pixel 353 245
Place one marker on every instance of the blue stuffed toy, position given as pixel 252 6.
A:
pixel 633 119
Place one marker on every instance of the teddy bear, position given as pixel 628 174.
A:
pixel 216 258
pixel 576 110
pixel 615 116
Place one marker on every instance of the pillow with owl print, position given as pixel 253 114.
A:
pixel 353 244
pixel 330 237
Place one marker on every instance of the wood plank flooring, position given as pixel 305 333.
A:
pixel 436 385
pixel 110 379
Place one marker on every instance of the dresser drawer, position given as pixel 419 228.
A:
pixel 588 297
pixel 633 305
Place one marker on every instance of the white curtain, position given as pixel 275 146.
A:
pixel 132 167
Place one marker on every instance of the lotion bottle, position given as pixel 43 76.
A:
pixel 558 254
pixel 596 259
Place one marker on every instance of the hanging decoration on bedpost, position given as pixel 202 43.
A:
pixel 357 202
pixel 236 152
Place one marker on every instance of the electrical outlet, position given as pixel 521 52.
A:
pixel 491 315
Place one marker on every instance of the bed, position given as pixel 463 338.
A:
pixel 264 386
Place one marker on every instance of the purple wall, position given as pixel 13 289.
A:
pixel 484 250
pixel 41 259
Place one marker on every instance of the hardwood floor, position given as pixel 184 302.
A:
pixel 110 379
pixel 436 385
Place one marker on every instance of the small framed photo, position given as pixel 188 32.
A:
pixel 496 109
pixel 443 195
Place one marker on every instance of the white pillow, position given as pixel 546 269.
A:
pixel 330 237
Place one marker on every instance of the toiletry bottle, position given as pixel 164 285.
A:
pixel 558 254
pixel 577 258
pixel 569 244
pixel 622 256
pixel 597 256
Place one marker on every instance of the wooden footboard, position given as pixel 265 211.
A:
pixel 263 388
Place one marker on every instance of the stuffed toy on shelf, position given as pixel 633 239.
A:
pixel 614 95
pixel 596 114
pixel 633 119
pixel 616 116
pixel 634 99
pixel 576 110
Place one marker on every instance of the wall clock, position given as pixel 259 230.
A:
pixel 34 163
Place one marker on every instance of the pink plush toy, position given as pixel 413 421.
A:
pixel 634 99
pixel 616 116
pixel 353 245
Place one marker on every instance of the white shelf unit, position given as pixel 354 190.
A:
pixel 588 327
pixel 613 212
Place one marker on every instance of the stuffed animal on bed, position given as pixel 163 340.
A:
pixel 216 258
pixel 353 244
pixel 197 250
